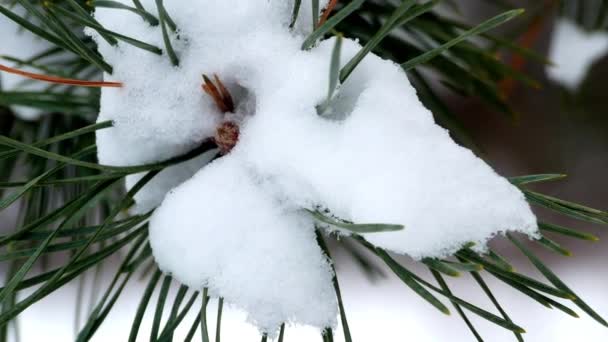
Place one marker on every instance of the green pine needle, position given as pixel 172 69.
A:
pixel 388 26
pixel 439 266
pixel 173 323
pixel 218 326
pixel 483 27
pixel 143 304
pixel 203 316
pixel 553 246
pixel 353 227
pixel 444 287
pixel 555 280
pixel 343 319
pixel 490 295
pixel 334 75
pixel 569 232
pixel 522 180
pixel 296 12
pixel 86 20
pixel 160 304
pixel 151 19
pixel 165 22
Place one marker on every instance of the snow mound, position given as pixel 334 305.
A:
pixel 238 226
pixel 574 51
pixel 262 256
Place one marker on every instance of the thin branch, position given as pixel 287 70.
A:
pixel 59 80
pixel 327 11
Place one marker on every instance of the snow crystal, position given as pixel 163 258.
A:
pixel 574 51
pixel 238 225
pixel 20 43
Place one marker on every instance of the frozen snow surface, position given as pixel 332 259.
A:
pixel 237 226
pixel 20 43
pixel 574 51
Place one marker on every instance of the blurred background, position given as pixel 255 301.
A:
pixel 557 130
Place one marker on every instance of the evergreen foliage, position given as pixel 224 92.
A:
pixel 70 204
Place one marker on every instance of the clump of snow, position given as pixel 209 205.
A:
pixel 262 255
pixel 177 114
pixel 238 225
pixel 386 162
pixel 20 43
pixel 574 51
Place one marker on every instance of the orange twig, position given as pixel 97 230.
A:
pixel 527 40
pixel 327 11
pixel 59 80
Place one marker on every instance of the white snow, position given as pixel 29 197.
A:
pixel 222 37
pixel 20 43
pixel 253 250
pixel 237 226
pixel 574 51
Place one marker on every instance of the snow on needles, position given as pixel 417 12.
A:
pixel 574 51
pixel 238 225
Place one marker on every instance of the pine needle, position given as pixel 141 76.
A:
pixel 60 80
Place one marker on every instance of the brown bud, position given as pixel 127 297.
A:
pixel 226 136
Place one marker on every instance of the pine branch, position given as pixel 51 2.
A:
pixel 53 166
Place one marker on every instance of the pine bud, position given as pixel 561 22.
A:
pixel 226 136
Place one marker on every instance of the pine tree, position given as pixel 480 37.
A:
pixel 69 203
